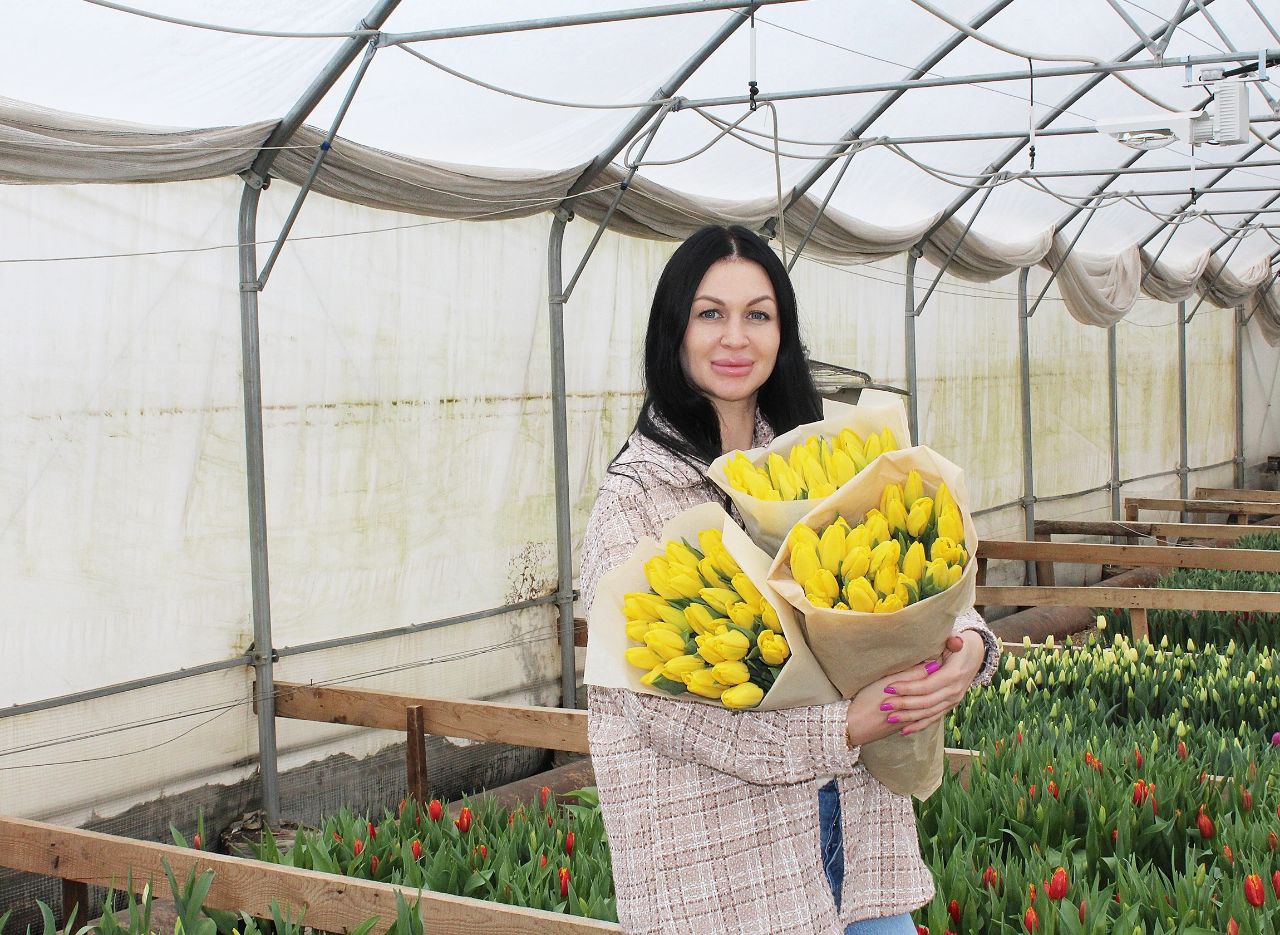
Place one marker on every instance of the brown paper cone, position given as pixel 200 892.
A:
pixel 769 521
pixel 801 681
pixel 856 649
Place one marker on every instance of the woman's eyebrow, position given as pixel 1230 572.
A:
pixel 712 298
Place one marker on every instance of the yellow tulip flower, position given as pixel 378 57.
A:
pixel 823 584
pixel 665 644
pixel 746 695
pixel 636 629
pixel 731 673
pixel 913 489
pixel 860 595
pixel 800 533
pixel 642 657
pixel 678 669
pixel 857 562
pixel 719 598
pixel 749 592
pixel 913 562
pixel 770 617
pixel 704 683
pixel 804 562
pixel 773 648
pixel 831 548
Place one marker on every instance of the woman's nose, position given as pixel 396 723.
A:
pixel 734 334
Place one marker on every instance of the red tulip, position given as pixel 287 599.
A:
pixel 542 860
pixel 1031 791
pixel 373 865
pixel 511 819
pixel 1053 788
pixel 1275 882
pixel 373 832
pixel 550 822
pixel 435 810
pixel 564 882
pixel 1115 835
pixel 953 910
pixel 464 820
pixel 1083 904
pixel 1233 927
pixel 1226 852
pixel 416 848
pixel 568 843
pixel 337 838
pixel 1137 757
pixel 990 878
pixel 1246 799
pixel 1139 792
pixel 1205 824
pixel 543 794
pixel 1031 892
pixel 400 810
pixel 1254 892
pixel 195 841
pixel 482 850
pixel 358 847
pixel 1272 843
pixel 1057 887
pixel 1182 750
pixel 922 930
pixel 1019 736
pixel 1030 920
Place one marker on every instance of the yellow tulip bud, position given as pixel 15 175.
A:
pixel 913 489
pixel 887 441
pixel 788 486
pixel 651 604
pixel 950 524
pixel 877 530
pixel 700 619
pixel 719 598
pixel 760 488
pixel 635 610
pixel 943 548
pixel 896 516
pixel 723 561
pixel 678 554
pixel 687 582
pixel 841 605
pixel 731 673
pixel 649 677
pixel 636 629
pixel 920 516
pixel 657 574
pixel 823 584
pixel 675 617
pixel 707 648
pixel 842 468
pixel 954 573
pixel 888 605
pixel 804 562
pixel 818 491
pixel 860 595
pixel 886 553
pixel 800 533
pixel 857 562
pixel 710 575
pixel 856 537
pixel 769 617
pixel 937 577
pixel 908 591
pixel 913 562
pixel 671 626
pixel 665 644
pixel 831 548
pixel 872 448
pixel 731 646
pixel 749 592
pixel 746 695
pixel 848 440
pixel 743 614
pixel 890 493
pixel 709 539
pixel 886 579
pixel 642 657
pixel 942 498
pixel 703 682
pixel 818 601
pixel 773 648
pixel 813 476
pixel 678 668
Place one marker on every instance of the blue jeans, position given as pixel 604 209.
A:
pixel 832 843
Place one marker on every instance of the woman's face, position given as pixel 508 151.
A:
pixel 731 342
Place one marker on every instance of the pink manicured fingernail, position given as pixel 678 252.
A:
pixel 887 706
pixel 893 719
pixel 905 731
pixel 890 690
pixel 932 668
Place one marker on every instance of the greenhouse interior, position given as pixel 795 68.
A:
pixel 326 320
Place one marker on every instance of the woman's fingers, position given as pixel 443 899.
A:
pixel 918 726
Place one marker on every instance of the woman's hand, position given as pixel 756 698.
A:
pixel 910 701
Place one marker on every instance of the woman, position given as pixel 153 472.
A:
pixel 719 821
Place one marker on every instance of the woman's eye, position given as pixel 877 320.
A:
pixel 708 313
pixel 758 315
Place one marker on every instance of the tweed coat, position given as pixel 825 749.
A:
pixel 711 814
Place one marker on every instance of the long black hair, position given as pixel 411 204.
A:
pixel 675 413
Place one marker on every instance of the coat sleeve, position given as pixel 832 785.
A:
pixel 972 620
pixel 765 748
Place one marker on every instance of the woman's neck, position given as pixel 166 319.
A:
pixel 737 423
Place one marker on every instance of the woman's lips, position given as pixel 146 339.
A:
pixel 732 368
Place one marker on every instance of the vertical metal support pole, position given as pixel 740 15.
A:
pixel 1113 399
pixel 251 372
pixel 1024 370
pixel 1242 326
pixel 560 456
pixel 909 324
pixel 1183 460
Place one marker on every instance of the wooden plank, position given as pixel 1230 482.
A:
pixel 1044 566
pixel 1130 511
pixel 1130 598
pixel 1234 507
pixel 1089 553
pixel 332 903
pixel 415 753
pixel 959 762
pixel 523 725
pixel 1138 621
pixel 75 895
pixel 1238 494
pixel 1066 527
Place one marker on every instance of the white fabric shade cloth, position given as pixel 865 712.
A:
pixel 125 99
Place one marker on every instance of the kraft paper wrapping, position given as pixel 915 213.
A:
pixel 801 681
pixel 769 521
pixel 856 649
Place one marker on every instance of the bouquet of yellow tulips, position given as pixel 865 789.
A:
pixel 692 617
pixel 774 486
pixel 880 571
